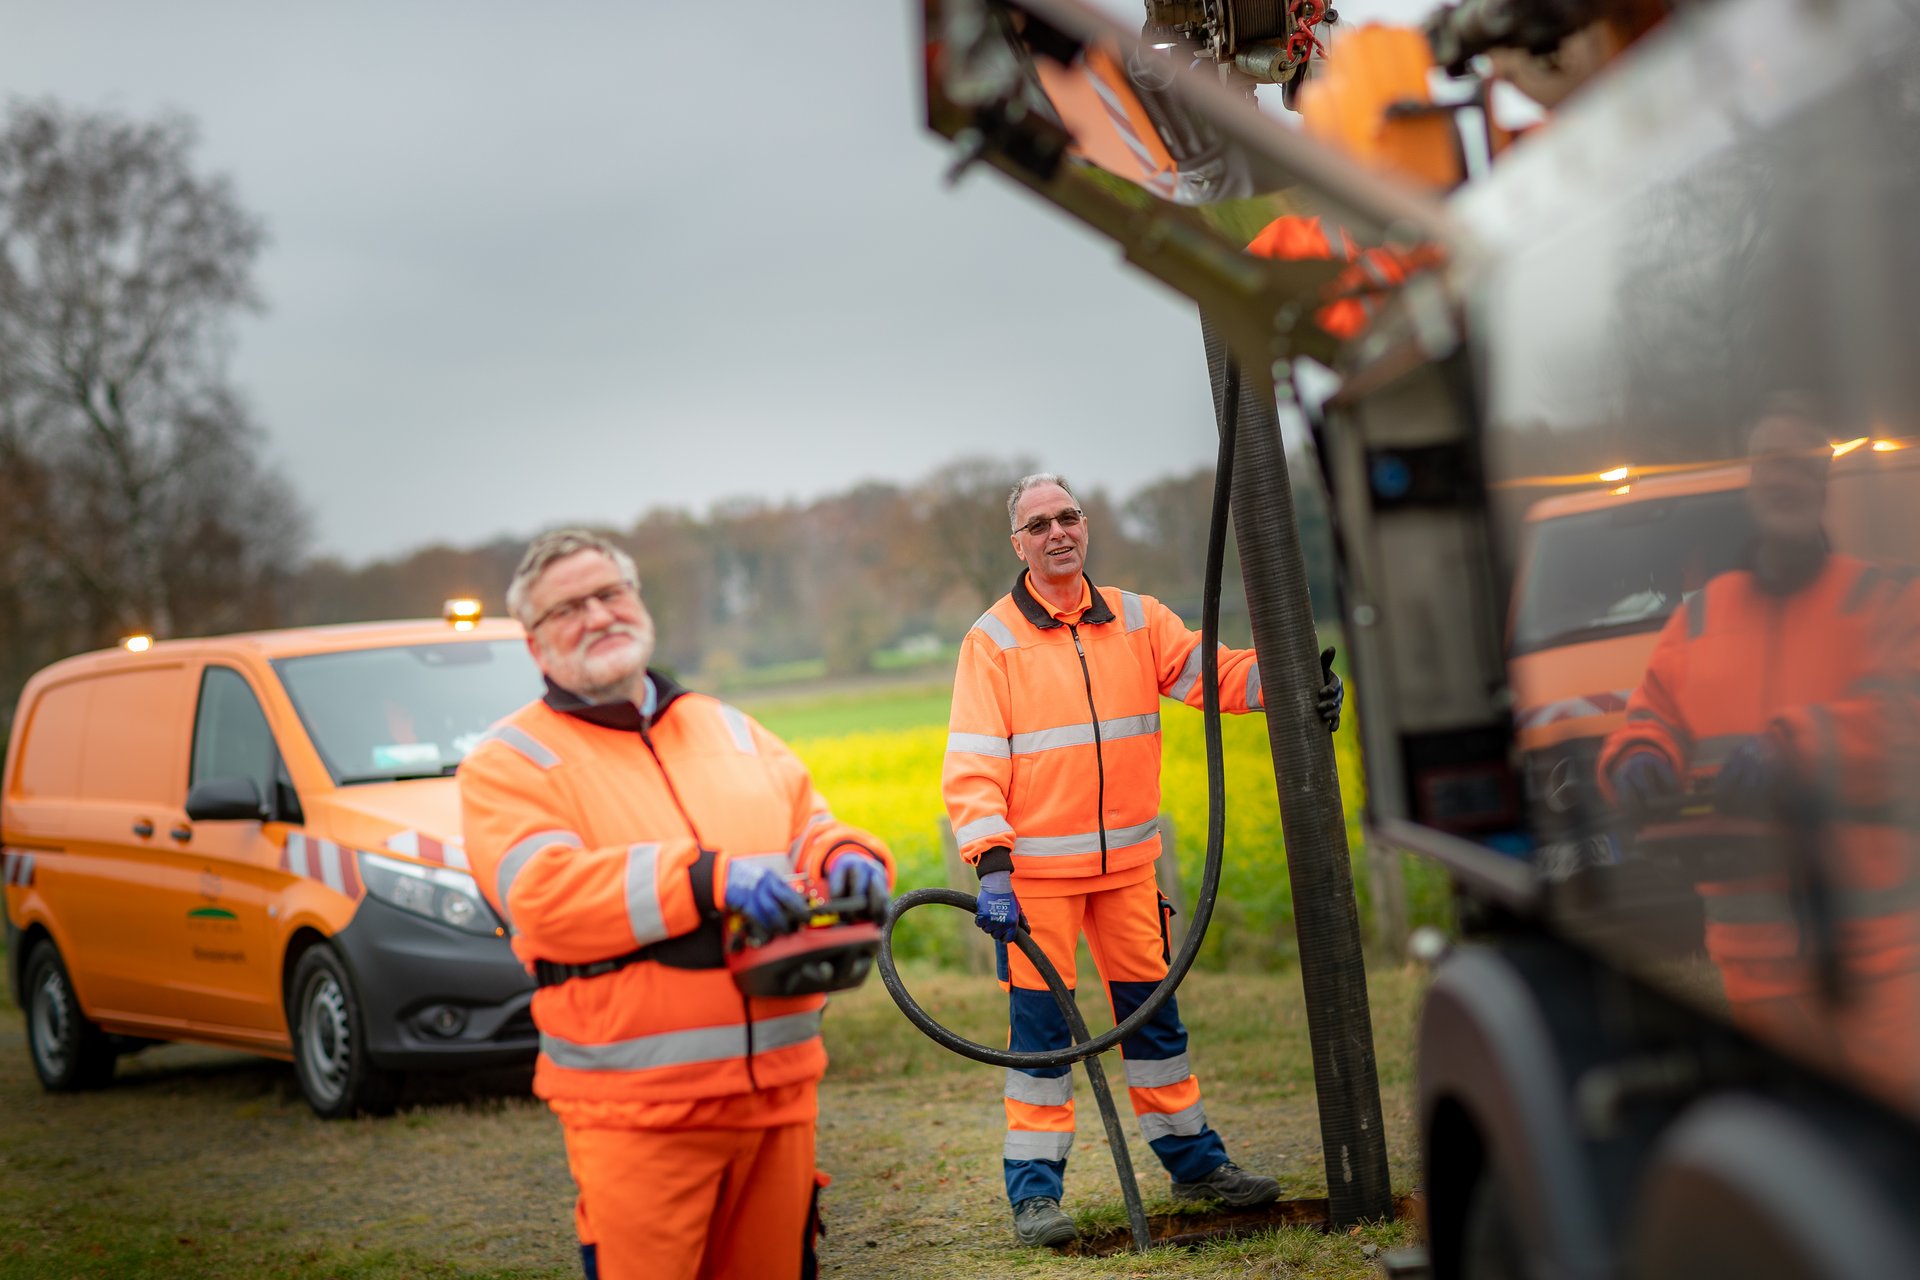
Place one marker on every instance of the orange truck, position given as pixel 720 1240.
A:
pixel 1605 567
pixel 253 841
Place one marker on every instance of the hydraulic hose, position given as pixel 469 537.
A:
pixel 1333 970
pixel 1086 1048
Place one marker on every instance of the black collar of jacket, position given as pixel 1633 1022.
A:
pixel 615 715
pixel 1037 614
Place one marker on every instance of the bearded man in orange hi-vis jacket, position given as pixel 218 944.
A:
pixel 613 824
pixel 1052 781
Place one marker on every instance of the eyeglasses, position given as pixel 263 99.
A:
pixel 1040 524
pixel 613 598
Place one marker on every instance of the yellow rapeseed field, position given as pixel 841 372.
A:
pixel 889 781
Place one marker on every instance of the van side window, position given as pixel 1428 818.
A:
pixel 230 734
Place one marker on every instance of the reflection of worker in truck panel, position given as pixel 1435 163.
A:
pixel 1782 695
pixel 1606 567
pixel 611 824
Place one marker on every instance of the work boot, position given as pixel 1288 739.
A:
pixel 1232 1186
pixel 1039 1220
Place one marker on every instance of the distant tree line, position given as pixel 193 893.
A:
pixel 844 577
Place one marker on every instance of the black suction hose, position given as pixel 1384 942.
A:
pixel 1086 1049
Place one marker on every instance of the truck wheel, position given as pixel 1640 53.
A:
pixel 330 1055
pixel 1489 1237
pixel 69 1051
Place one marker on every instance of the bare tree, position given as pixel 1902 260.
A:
pixel 136 496
pixel 964 526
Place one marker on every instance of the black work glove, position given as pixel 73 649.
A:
pixel 1333 694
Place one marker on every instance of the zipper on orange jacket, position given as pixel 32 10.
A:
pixel 746 1005
pixel 1099 757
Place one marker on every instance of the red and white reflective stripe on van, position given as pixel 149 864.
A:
pixel 19 867
pixel 333 865
pixel 448 853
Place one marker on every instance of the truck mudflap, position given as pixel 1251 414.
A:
pixel 436 998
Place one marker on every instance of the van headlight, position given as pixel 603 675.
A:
pixel 438 893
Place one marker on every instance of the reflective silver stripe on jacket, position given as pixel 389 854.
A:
pixel 799 841
pixel 979 744
pixel 1081 735
pixel 1157 1073
pixel 523 742
pixel 1132 611
pixel 1088 842
pixel 680 1048
pixel 1183 684
pixel 1040 1091
pixel 1028 1144
pixel 1253 685
pixel 644 912
pixel 517 857
pixel 980 828
pixel 1182 1123
pixel 996 631
pixel 742 732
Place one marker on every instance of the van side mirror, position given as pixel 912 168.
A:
pixel 225 800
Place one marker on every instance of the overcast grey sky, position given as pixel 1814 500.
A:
pixel 532 264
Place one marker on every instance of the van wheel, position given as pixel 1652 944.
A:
pixel 70 1052
pixel 330 1041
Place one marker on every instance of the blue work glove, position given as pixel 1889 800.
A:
pixel 1748 783
pixel 1333 694
pixel 998 911
pixel 855 873
pixel 770 904
pixel 1645 785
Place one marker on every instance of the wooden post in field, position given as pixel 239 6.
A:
pixel 1387 886
pixel 1167 871
pixel 977 945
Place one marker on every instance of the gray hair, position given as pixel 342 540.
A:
pixel 1033 481
pixel 558 544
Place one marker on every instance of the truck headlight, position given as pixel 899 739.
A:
pixel 438 893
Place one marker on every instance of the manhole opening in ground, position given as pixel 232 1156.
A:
pixel 1189 1229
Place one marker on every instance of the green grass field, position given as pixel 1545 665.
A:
pixel 876 754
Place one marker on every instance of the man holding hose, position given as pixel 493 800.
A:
pixel 1052 781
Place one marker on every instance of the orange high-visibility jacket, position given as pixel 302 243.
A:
pixel 1827 672
pixel 1053 749
pixel 596 831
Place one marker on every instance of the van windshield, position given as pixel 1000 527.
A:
pixel 412 711
pixel 1597 574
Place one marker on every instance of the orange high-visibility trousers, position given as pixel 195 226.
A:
pixel 1125 930
pixel 695 1204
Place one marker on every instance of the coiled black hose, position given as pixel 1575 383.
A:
pixel 1085 1048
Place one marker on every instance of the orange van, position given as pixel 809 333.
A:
pixel 1605 567
pixel 253 841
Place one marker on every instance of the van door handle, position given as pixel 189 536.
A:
pixel 182 834
pixel 143 828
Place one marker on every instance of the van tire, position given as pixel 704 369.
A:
pixel 330 1057
pixel 70 1052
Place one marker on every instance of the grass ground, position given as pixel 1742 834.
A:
pixel 199 1163
pixel 203 1164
